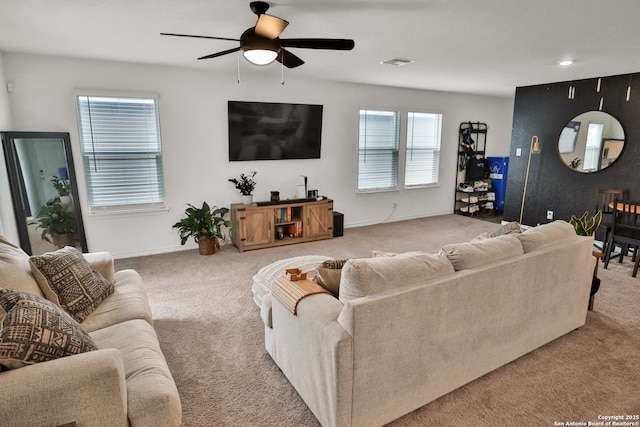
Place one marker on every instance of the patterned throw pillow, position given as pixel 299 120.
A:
pixel 329 274
pixel 34 330
pixel 508 228
pixel 66 278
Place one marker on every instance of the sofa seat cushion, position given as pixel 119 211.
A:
pixel 367 276
pixel 478 253
pixel 67 279
pixel 34 330
pixel 127 302
pixel 152 397
pixel 15 271
pixel 545 235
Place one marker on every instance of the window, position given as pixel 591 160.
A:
pixel 122 154
pixel 378 150
pixel 592 152
pixel 422 162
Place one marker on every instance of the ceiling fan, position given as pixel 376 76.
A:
pixel 262 45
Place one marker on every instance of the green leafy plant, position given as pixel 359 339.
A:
pixel 245 184
pixel 575 163
pixel 61 186
pixel 202 222
pixel 54 220
pixel 585 225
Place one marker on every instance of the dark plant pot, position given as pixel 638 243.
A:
pixel 208 245
pixel 62 240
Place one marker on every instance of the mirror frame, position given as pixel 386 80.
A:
pixel 10 156
pixel 602 148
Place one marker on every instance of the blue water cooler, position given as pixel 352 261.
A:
pixel 498 167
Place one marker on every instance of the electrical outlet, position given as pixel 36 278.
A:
pixel 549 214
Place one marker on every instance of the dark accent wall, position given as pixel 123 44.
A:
pixel 543 110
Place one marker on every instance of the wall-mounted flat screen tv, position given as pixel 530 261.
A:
pixel 274 131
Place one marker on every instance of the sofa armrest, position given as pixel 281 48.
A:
pixel 89 389
pixel 316 355
pixel 102 262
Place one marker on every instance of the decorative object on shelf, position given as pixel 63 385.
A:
pixel 585 225
pixel 58 224
pixel 275 196
pixel 245 184
pixel 534 148
pixel 205 226
pixel 301 187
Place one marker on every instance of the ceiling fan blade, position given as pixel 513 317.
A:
pixel 333 44
pixel 224 52
pixel 288 59
pixel 199 37
pixel 270 26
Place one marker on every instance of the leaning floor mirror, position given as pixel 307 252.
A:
pixel 44 191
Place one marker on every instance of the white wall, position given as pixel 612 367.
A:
pixel 7 219
pixel 193 120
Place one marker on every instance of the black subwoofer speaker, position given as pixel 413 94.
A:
pixel 338 224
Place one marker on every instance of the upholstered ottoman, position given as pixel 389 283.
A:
pixel 264 278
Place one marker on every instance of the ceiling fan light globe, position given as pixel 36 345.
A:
pixel 260 56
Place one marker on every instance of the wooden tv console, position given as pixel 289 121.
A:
pixel 267 224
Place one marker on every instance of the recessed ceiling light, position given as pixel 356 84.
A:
pixel 565 63
pixel 397 61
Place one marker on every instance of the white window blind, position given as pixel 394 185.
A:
pixel 122 152
pixel 592 152
pixel 378 150
pixel 422 161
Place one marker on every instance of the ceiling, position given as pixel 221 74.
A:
pixel 487 47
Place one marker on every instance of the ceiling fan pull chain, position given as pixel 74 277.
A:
pixel 282 73
pixel 239 68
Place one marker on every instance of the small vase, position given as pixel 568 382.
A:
pixel 247 199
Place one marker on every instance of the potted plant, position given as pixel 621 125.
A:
pixel 245 184
pixel 204 224
pixel 61 186
pixel 585 225
pixel 58 225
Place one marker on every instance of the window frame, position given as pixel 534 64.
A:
pixel 402 151
pixel 436 183
pixel 398 143
pixel 158 153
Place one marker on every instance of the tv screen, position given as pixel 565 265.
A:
pixel 274 131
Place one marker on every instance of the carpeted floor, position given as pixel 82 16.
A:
pixel 212 337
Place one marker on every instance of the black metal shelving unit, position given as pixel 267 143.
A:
pixel 478 198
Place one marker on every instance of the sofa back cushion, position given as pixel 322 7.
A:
pixel 367 276
pixel 478 253
pixel 15 271
pixel 545 235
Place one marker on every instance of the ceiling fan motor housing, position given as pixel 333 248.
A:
pixel 249 40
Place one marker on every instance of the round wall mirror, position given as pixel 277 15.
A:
pixel 591 141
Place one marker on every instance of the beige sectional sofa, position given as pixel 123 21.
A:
pixel 124 382
pixel 409 328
